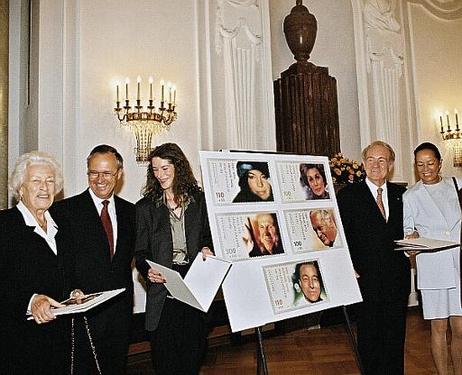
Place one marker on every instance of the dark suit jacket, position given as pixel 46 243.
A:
pixel 29 266
pixel 154 242
pixel 384 273
pixel 94 270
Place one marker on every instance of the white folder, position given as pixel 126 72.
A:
pixel 201 283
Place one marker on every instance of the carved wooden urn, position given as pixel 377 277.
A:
pixel 300 29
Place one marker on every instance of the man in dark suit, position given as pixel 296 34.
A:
pixel 103 227
pixel 372 216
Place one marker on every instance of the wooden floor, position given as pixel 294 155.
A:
pixel 324 351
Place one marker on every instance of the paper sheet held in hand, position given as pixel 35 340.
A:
pixel 424 244
pixel 201 283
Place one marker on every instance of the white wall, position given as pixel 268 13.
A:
pixel 334 48
pixel 116 43
pixel 89 46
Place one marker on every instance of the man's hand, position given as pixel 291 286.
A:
pixel 41 308
pixel 247 238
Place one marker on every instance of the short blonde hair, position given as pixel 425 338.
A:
pixel 33 158
pixel 378 143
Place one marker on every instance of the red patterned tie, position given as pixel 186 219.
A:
pixel 107 224
pixel 380 203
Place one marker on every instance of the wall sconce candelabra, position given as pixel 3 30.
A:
pixel 453 137
pixel 146 123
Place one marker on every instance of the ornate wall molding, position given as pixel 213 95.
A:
pixel 444 9
pixel 384 85
pixel 239 40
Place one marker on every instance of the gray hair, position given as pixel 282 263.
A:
pixel 34 158
pixel 378 143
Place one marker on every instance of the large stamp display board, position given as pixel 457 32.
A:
pixel 283 233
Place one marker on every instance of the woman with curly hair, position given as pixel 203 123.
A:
pixel 172 228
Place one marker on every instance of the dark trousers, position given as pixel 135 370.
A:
pixel 381 335
pixel 179 343
pixel 111 351
pixel 29 351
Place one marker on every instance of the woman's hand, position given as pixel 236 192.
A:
pixel 41 308
pixel 155 276
pixel 206 252
pixel 411 236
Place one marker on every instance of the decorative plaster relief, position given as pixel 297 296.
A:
pixel 444 9
pixel 385 57
pixel 379 14
pixel 238 40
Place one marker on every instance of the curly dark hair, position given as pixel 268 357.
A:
pixel 184 183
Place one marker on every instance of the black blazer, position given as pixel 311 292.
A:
pixel 94 270
pixel 29 266
pixel 154 242
pixel 384 273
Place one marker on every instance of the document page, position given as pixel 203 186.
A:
pixel 425 244
pixel 201 283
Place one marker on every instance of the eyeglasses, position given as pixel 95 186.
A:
pixel 106 175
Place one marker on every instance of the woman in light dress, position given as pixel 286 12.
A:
pixel 431 210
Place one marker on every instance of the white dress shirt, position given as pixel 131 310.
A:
pixel 52 228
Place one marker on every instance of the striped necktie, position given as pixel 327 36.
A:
pixel 380 203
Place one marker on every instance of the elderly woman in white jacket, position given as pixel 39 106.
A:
pixel 431 210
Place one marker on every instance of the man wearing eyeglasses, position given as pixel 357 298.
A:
pixel 103 227
pixel 372 216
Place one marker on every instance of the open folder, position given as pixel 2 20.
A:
pixel 201 283
pixel 85 303
pixel 424 244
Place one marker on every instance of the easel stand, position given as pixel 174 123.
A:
pixel 262 367
pixel 353 343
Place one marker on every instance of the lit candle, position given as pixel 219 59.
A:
pixel 126 88
pixel 138 83
pixel 457 119
pixel 174 95
pixel 169 85
pixel 117 90
pixel 150 88
pixel 441 122
pixel 162 83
